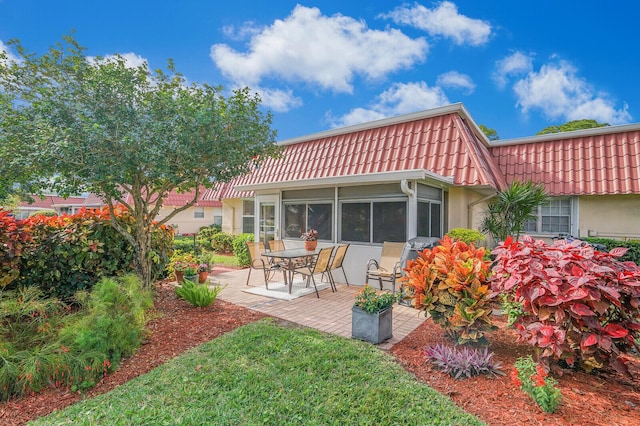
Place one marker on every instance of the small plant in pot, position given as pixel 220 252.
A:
pixel 372 312
pixel 310 239
pixel 203 272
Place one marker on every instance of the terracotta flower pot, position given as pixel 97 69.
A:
pixel 179 276
pixel 310 245
pixel 202 277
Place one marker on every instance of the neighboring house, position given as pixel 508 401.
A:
pixel 422 174
pixel 202 213
pixel 70 205
pixel 189 221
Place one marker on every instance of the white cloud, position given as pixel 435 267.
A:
pixel 400 98
pixel 246 31
pixel 443 20
pixel 277 99
pixel 325 51
pixel 10 56
pixel 456 80
pixel 131 60
pixel 515 64
pixel 559 93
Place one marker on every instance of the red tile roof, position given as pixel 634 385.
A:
pixel 440 141
pixel 49 201
pixel 598 161
pixel 176 199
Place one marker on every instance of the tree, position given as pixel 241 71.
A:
pixel 572 125
pixel 489 132
pixel 74 124
pixel 511 208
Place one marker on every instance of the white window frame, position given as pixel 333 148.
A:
pixel 198 212
pixel 572 216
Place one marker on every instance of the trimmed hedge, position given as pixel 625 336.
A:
pixel 71 253
pixel 633 254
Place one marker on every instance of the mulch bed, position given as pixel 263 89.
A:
pixel 589 399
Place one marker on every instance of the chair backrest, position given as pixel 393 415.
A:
pixel 391 254
pixel 255 253
pixel 322 264
pixel 341 252
pixel 276 245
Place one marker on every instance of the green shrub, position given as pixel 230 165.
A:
pixel 199 295
pixel 241 250
pixel 71 253
pixel 222 242
pixel 184 244
pixel 49 213
pixel 467 235
pixel 205 236
pixel 114 320
pixel 632 255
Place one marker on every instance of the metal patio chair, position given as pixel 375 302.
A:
pixel 388 269
pixel 261 263
pixel 320 266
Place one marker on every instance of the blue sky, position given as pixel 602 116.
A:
pixel 517 66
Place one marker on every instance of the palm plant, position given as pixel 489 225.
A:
pixel 512 207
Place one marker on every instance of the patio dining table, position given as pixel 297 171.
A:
pixel 290 258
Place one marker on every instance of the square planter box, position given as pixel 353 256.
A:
pixel 374 328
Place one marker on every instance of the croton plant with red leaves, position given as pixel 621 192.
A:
pixel 449 282
pixel 580 305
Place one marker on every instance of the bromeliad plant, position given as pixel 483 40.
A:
pixel 578 305
pixel 199 295
pixel 449 282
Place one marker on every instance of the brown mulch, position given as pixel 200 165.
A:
pixel 589 399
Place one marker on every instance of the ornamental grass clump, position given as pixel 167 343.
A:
pixel 464 362
pixel 575 304
pixel 449 282
pixel 370 301
pixel 533 379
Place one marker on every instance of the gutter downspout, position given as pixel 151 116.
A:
pixel 412 211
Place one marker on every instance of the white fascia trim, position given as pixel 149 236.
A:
pixel 568 135
pixel 351 180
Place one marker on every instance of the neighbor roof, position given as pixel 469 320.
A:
pixel 604 160
pixel 441 144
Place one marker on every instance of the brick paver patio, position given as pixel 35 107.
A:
pixel 330 313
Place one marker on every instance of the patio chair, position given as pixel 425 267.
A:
pixel 260 262
pixel 276 245
pixel 320 266
pixel 336 263
pixel 388 268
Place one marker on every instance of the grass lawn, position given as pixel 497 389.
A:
pixel 264 373
pixel 226 260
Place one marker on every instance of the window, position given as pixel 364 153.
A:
pixel 217 220
pixel 552 218
pixel 429 219
pixel 299 217
pixel 198 212
pixel 373 221
pixel 248 216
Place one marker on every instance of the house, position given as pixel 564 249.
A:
pixel 205 212
pixel 57 204
pixel 202 213
pixel 428 172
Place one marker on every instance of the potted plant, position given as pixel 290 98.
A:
pixel 371 315
pixel 191 272
pixel 203 272
pixel 310 239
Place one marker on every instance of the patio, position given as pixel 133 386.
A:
pixel 330 313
